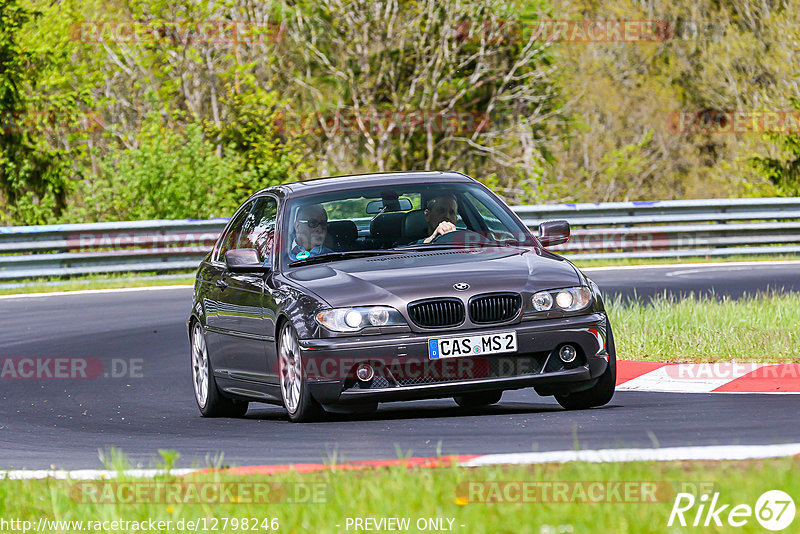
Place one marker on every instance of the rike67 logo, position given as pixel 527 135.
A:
pixel 774 510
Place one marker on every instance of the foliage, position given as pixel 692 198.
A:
pixel 782 169
pixel 420 85
pixel 33 173
pixel 171 174
pixel 274 91
pixel 252 133
pixel 726 56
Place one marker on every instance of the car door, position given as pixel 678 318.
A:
pixel 218 300
pixel 256 316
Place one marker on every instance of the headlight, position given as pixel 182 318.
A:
pixel 355 319
pixel 570 299
pixel 542 301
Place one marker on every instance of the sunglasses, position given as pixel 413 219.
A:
pixel 313 223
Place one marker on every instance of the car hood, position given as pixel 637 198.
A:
pixel 398 279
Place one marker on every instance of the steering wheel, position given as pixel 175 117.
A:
pixel 462 236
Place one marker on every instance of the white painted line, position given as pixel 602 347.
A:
pixel 92 291
pixel 727 269
pixel 731 264
pixel 87 474
pixel 666 454
pixel 714 452
pixel 689 378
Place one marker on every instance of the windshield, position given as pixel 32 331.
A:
pixel 416 217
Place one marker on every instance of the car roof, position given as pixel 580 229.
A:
pixel 353 181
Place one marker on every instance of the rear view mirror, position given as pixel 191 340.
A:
pixel 552 233
pixel 245 260
pixel 379 206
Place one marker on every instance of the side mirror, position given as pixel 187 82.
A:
pixel 245 260
pixel 553 233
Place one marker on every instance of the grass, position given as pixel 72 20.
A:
pixel 108 281
pixel 763 328
pixel 622 262
pixel 321 501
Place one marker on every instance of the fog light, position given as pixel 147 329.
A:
pixel 567 353
pixel 364 372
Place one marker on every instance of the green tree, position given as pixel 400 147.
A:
pixel 422 84
pixel 32 175
pixel 171 174
pixel 783 168
pixel 256 134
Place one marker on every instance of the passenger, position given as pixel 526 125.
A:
pixel 311 228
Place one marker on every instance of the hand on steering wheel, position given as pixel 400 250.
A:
pixel 443 228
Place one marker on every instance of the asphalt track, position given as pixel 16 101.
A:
pixel 63 423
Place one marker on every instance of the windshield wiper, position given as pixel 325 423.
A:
pixel 335 256
pixel 438 246
pixel 432 246
pixel 460 246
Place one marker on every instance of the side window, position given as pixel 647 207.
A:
pixel 258 231
pixel 494 220
pixel 491 220
pixel 231 236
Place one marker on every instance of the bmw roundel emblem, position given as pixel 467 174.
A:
pixel 461 286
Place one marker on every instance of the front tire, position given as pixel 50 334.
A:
pixel 600 394
pixel 297 399
pixel 478 400
pixel 209 399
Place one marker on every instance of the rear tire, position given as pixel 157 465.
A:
pixel 601 393
pixel 208 397
pixel 478 400
pixel 297 399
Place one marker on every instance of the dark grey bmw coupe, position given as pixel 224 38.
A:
pixel 340 293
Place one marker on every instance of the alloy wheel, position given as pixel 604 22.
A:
pixel 199 365
pixel 290 369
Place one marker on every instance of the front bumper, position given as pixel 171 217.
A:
pixel 403 370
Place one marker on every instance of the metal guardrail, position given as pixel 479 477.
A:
pixel 675 228
pixel 131 246
pixel 671 228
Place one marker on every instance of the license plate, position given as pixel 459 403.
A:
pixel 453 347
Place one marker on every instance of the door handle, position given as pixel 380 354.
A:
pixel 222 284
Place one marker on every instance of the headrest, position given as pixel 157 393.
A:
pixel 341 233
pixel 414 225
pixel 386 225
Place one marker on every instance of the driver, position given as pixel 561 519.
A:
pixel 311 228
pixel 441 213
